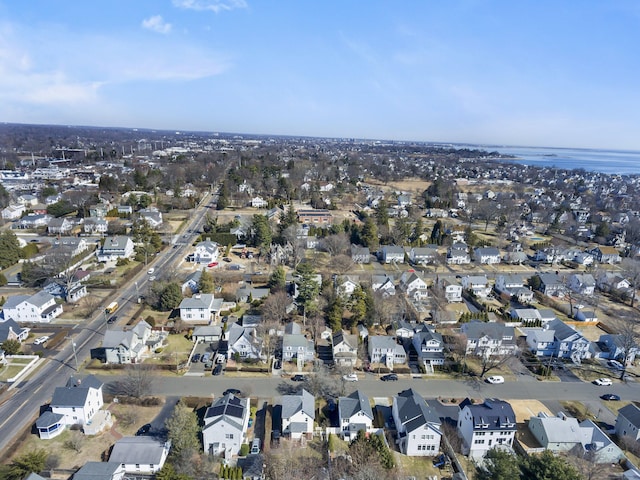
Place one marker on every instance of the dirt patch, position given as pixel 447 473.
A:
pixel 524 409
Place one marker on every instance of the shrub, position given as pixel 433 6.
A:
pixel 244 449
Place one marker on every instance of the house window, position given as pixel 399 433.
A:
pixel 229 436
pixel 137 466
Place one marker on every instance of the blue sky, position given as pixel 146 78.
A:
pixel 526 72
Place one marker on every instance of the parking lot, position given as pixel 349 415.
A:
pixel 203 359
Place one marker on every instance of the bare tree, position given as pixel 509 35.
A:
pixel 631 271
pixel 137 382
pixel 628 339
pixel 489 362
pixel 337 244
pixel 341 264
pixel 74 441
pixel 274 307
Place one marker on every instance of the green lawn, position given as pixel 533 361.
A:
pixel 9 371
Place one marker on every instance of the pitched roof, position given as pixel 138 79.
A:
pixel 97 471
pixel 229 408
pixel 291 404
pixel 352 404
pixel 413 411
pixel 138 450
pixel 75 393
pixel 631 413
pixel 493 414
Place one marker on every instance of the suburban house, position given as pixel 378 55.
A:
pixel 513 285
pixel 345 285
pixel 552 285
pixel 355 414
pixel 225 426
pixel 40 307
pixel 607 281
pixel 191 283
pixel 582 283
pixel 115 248
pixel 477 284
pixel 360 254
pixel 452 290
pixel 123 346
pixel 34 220
pixel 71 246
pixel 605 254
pixel 417 425
pixel 617 347
pixel 95 225
pixel 345 349
pixel 248 294
pixel 200 308
pixel 423 255
pixel 458 254
pixel 383 284
pixel 205 252
pixel 414 286
pixel 430 348
pixel 486 339
pixel 77 403
pixel 385 349
pixel 142 455
pixel 542 342
pixel 10 330
pixel 563 434
pixel 99 471
pixel 13 212
pixel 570 343
pixel 584 315
pixel 391 254
pixel 487 255
pixel 243 342
pixel 152 216
pixel 404 329
pixel 485 426
pixel 525 314
pixel 259 202
pixel 628 422
pixel 298 415
pixel 60 226
pixel 298 347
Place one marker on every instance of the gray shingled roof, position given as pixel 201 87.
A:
pixel 496 414
pixel 413 411
pixel 137 450
pixel 352 404
pixel 295 403
pixel 75 393
pixel 97 471
pixel 631 413
pixel 48 419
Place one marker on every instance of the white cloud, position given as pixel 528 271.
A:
pixel 216 6
pixel 156 24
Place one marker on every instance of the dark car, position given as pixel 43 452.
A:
pixel 232 391
pixel 391 377
pixel 610 396
pixel 227 259
pixel 144 429
pixel 277 365
pixel 298 378
pixel 196 358
pixel 112 319
pixel 218 369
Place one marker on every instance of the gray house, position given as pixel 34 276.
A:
pixel 628 422
pixel 355 414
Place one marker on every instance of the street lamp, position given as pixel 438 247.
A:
pixel 75 356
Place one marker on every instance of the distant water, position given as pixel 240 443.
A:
pixel 604 161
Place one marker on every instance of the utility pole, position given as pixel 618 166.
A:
pixel 75 356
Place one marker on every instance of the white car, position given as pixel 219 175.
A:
pixel 495 379
pixel 150 271
pixel 615 364
pixel 40 340
pixel 350 377
pixel 603 382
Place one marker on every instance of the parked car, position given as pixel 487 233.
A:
pixel 212 264
pixel 232 391
pixel 218 369
pixel 150 271
pixel 603 382
pixel 615 364
pixel 41 340
pixel 196 358
pixel 298 378
pixel 205 357
pixel 255 446
pixel 391 377
pixel 610 397
pixel 495 379
pixel 277 365
pixel 143 430
pixel 350 377
pixel 227 259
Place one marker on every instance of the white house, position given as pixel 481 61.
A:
pixel 414 286
pixel 77 403
pixel 121 346
pixel 385 349
pixel 225 426
pixel 40 307
pixel 200 308
pixel 477 284
pixel 142 455
pixel 355 414
pixel 115 248
pixel 391 254
pixel 487 339
pixel 243 342
pixel 452 290
pixel 345 349
pixel 298 415
pixel 345 285
pixel 205 252
pixel 582 283
pixel 383 284
pixel 13 212
pixel 95 471
pixel 628 422
pixel 297 346
pixel 487 255
pixel 429 347
pixel 485 426
pixel 417 425
pixel 259 202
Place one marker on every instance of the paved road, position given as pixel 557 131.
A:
pixel 20 405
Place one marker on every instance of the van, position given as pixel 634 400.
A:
pixel 205 357
pixel 255 446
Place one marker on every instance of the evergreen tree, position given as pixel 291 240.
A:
pixel 206 283
pixel 498 465
pixel 170 297
pixel 9 249
pixel 369 234
pixel 182 430
pixel 547 466
pixel 278 279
